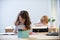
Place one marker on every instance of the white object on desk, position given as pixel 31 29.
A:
pixel 9 27
pixel 43 27
pixel 44 37
pixel 9 33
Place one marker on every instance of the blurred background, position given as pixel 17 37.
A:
pixel 9 10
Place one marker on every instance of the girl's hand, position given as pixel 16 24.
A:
pixel 30 33
pixel 24 29
pixel 15 32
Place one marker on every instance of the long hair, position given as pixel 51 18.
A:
pixel 24 14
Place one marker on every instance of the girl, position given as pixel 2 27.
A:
pixel 23 21
pixel 43 21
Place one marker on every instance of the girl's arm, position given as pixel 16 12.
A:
pixel 15 31
pixel 38 24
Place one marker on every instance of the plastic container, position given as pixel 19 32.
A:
pixel 23 33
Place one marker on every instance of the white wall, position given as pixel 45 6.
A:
pixel 10 8
pixel 58 11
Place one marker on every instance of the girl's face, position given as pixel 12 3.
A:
pixel 21 20
pixel 43 20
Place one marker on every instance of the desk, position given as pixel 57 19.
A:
pixel 31 37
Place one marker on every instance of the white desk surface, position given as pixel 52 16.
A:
pixel 31 37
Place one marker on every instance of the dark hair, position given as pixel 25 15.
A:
pixel 24 14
